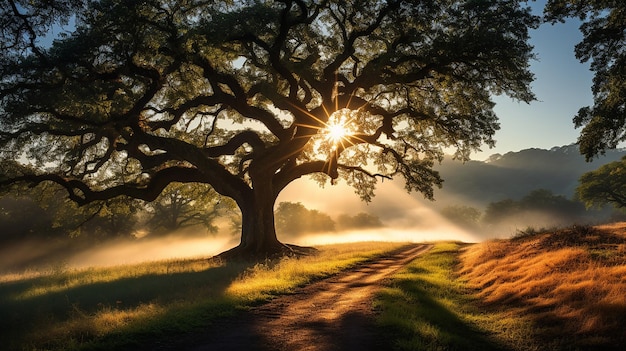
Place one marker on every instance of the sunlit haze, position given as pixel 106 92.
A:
pixel 434 233
pixel 152 250
pixel 406 218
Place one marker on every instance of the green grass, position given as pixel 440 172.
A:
pixel 425 307
pixel 126 306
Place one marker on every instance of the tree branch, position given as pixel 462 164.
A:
pixel 245 137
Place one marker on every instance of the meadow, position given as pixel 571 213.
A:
pixel 561 289
pixel 568 284
pixel 124 307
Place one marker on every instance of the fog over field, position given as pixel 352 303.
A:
pixel 32 255
pixel 404 216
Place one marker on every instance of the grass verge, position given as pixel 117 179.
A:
pixel 123 307
pixel 424 307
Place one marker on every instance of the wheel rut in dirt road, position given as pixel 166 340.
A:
pixel 330 315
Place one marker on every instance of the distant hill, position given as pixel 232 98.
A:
pixel 515 174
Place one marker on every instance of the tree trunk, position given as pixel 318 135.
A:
pixel 258 234
pixel 258 231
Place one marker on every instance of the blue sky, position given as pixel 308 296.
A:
pixel 562 85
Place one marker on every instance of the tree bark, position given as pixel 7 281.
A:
pixel 258 230
pixel 258 233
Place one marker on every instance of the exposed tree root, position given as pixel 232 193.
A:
pixel 251 254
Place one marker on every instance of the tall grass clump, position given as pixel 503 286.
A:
pixel 425 307
pixel 569 283
pixel 138 306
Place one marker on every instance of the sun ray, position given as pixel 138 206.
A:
pixel 334 132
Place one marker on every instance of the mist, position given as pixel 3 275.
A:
pixel 405 218
pixel 386 235
pixel 169 247
pixel 41 255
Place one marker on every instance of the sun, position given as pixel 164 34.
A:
pixel 337 130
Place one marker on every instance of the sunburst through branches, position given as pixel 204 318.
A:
pixel 337 131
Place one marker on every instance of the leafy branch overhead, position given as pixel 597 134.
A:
pixel 604 47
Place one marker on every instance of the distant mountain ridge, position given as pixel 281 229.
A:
pixel 515 174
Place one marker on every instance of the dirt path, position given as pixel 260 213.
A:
pixel 330 315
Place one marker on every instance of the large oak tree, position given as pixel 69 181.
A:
pixel 248 96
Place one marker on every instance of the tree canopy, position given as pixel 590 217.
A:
pixel 604 45
pixel 44 212
pixel 605 185
pixel 247 96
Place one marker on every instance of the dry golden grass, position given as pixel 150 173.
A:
pixel 570 283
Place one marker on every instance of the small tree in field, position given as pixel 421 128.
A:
pixel 361 220
pixel 605 185
pixel 248 96
pixel 294 219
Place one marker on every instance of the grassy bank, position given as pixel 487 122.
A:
pixel 122 307
pixel 569 284
pixel 556 290
pixel 425 307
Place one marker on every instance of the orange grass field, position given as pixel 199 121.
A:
pixel 569 283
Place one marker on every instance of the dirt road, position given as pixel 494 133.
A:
pixel 330 315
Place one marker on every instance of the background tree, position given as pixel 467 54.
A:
pixel 361 220
pixel 187 205
pixel 605 185
pixel 248 96
pixel 99 221
pixel 499 211
pixel 294 219
pixel 22 218
pixel 604 44
pixel 44 212
pixel 539 208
